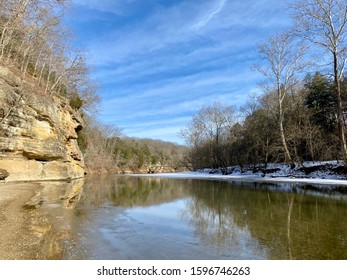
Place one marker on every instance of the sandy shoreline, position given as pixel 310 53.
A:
pixel 30 219
pixel 22 232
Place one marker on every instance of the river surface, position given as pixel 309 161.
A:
pixel 142 218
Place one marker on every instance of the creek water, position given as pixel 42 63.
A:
pixel 128 217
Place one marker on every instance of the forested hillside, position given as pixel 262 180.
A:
pixel 37 46
pixel 106 149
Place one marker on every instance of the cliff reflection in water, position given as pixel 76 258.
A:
pixel 124 217
pixel 53 216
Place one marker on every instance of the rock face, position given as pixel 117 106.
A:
pixel 38 133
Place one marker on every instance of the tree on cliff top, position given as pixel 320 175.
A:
pixel 34 40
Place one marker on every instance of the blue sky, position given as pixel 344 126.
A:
pixel 159 61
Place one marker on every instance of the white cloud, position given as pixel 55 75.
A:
pixel 181 26
pixel 210 14
pixel 181 97
pixel 160 68
pixel 161 29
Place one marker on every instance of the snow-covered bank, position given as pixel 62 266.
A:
pixel 319 173
pixel 247 178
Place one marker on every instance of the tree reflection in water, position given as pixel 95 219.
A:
pixel 239 220
pixel 287 225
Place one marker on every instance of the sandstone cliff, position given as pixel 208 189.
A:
pixel 38 133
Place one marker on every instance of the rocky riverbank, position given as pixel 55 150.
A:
pixel 38 133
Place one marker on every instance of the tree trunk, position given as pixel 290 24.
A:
pixel 11 21
pixel 340 119
pixel 283 138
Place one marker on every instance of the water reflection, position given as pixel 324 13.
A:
pixel 123 191
pixel 53 217
pixel 289 225
pixel 121 217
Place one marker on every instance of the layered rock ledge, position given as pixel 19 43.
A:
pixel 38 133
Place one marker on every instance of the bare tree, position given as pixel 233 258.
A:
pixel 208 133
pixel 283 58
pixel 14 12
pixel 324 24
pixel 211 123
pixel 98 153
pixel 34 41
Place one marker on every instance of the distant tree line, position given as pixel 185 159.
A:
pixel 106 149
pixel 299 116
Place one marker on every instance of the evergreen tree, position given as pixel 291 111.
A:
pixel 322 101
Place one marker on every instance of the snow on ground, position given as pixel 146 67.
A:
pixel 313 173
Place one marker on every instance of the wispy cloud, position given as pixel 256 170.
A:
pixel 160 60
pixel 210 14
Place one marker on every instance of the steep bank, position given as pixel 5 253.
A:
pixel 38 133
